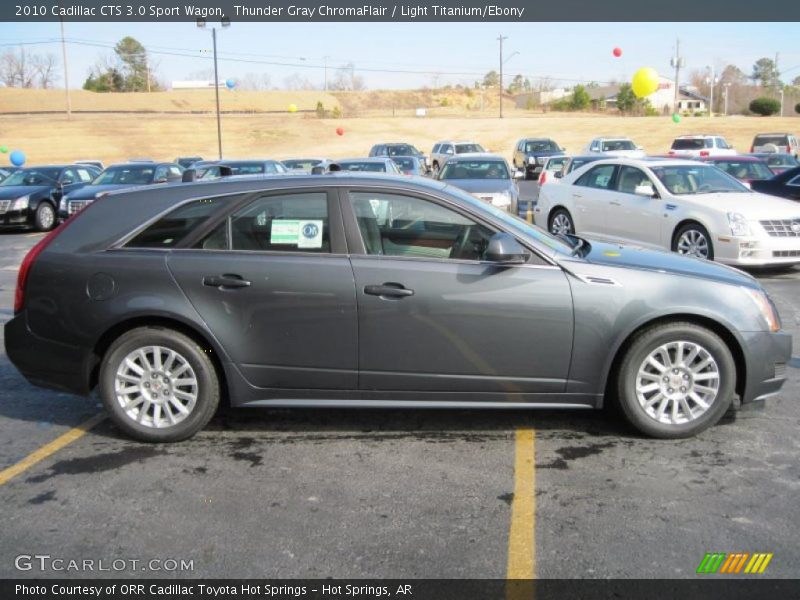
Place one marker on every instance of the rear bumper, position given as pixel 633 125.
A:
pixel 46 363
pixel 766 357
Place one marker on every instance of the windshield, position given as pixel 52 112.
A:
pixel 519 226
pixel 464 148
pixel 555 164
pixel 781 160
pixel 405 163
pixel 541 146
pixel 373 167
pixel 301 163
pixel 475 169
pixel 136 175
pixel 401 150
pixel 616 145
pixel 699 179
pixel 691 144
pixel 577 163
pixel 29 177
pixel 748 170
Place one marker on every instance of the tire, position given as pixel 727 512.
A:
pixel 693 231
pixel 641 405
pixel 561 215
pixel 435 169
pixel 45 218
pixel 189 362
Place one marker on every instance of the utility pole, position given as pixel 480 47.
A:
pixel 325 58
pixel 66 73
pixel 147 68
pixel 501 38
pixel 712 81
pixel 677 61
pixel 727 90
pixel 224 22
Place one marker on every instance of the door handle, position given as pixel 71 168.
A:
pixel 614 203
pixel 388 290
pixel 228 280
pixel 577 196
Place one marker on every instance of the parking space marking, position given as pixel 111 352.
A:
pixel 49 449
pixel 522 532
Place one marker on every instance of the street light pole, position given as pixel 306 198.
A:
pixel 781 101
pixel 727 90
pixel 225 22
pixel 325 58
pixel 501 38
pixel 66 73
pixel 711 81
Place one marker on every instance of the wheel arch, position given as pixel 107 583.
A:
pixel 554 209
pixel 202 338
pixel 685 221
pixel 724 331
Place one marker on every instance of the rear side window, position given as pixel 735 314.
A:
pixel 170 229
pixel 599 177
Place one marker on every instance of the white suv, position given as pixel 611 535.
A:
pixel 701 145
pixel 685 206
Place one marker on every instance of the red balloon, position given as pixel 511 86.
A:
pixel 617 52
pixel 339 131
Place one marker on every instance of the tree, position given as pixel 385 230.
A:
pixel 250 81
pixel 517 85
pixel 346 79
pixel 796 81
pixel 765 106
pixel 491 79
pixel 129 69
pixel 20 69
pixel 626 99
pixel 297 82
pixel 766 74
pixel 797 108
pixel 580 98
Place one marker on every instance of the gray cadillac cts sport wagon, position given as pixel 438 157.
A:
pixel 364 291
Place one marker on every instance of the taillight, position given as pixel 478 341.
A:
pixel 752 149
pixel 672 152
pixel 704 153
pixel 543 177
pixel 30 257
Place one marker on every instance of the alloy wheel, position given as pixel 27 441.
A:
pixel 693 243
pixel 561 224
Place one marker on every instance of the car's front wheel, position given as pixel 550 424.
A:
pixel 158 385
pixel 675 380
pixel 45 218
pixel 693 239
pixel 561 222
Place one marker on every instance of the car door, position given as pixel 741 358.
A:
pixel 68 182
pixel 590 196
pixel 434 317
pixel 632 216
pixel 274 285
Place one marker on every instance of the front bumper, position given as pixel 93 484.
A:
pixel 766 357
pixel 17 218
pixel 756 251
pixel 46 363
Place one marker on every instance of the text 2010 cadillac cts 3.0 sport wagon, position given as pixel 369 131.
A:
pixel 347 290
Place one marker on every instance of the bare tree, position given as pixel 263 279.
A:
pixel 20 69
pixel 346 79
pixel 297 82
pixel 254 82
pixel 45 66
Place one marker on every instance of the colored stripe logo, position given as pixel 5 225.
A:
pixel 734 563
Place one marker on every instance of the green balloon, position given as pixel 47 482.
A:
pixel 676 118
pixel 4 149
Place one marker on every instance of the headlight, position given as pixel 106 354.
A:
pixel 20 203
pixel 765 307
pixel 62 204
pixel 531 160
pixel 738 224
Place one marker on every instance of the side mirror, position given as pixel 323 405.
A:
pixel 189 175
pixel 505 250
pixel 519 174
pixel 644 190
pixel 558 174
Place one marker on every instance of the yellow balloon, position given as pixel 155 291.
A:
pixel 645 82
pixel 293 108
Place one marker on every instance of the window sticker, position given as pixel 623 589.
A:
pixel 284 231
pixel 310 234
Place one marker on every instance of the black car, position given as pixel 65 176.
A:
pixel 187 161
pixel 30 197
pixel 400 149
pixel 785 185
pixel 778 162
pixel 530 154
pixel 243 167
pixel 117 177
pixel 6 171
pixel 356 290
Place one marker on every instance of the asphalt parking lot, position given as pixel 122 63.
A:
pixel 404 494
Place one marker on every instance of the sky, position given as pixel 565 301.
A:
pixel 430 53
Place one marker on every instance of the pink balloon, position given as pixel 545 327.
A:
pixel 339 131
pixel 617 52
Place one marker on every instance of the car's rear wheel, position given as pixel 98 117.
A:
pixel 45 218
pixel 561 222
pixel 158 385
pixel 693 239
pixel 676 380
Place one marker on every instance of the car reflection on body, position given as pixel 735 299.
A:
pixel 485 176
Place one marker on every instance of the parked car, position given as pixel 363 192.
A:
pixel 691 146
pixel 572 163
pixel 410 165
pixel 776 142
pixel 399 149
pixel 786 185
pixel 6 171
pixel 778 162
pixel 443 150
pixel 92 163
pixel 246 167
pixel 375 164
pixel 485 176
pixel 117 177
pixel 381 291
pixel 688 207
pixel 614 146
pixel 530 154
pixel 187 161
pixel 304 165
pixel 552 165
pixel 744 168
pixel 29 197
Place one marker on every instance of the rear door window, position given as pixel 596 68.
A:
pixel 170 229
pixel 599 177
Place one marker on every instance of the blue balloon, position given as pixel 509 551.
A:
pixel 230 84
pixel 17 158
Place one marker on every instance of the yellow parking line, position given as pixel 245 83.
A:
pixel 49 449
pixel 522 533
